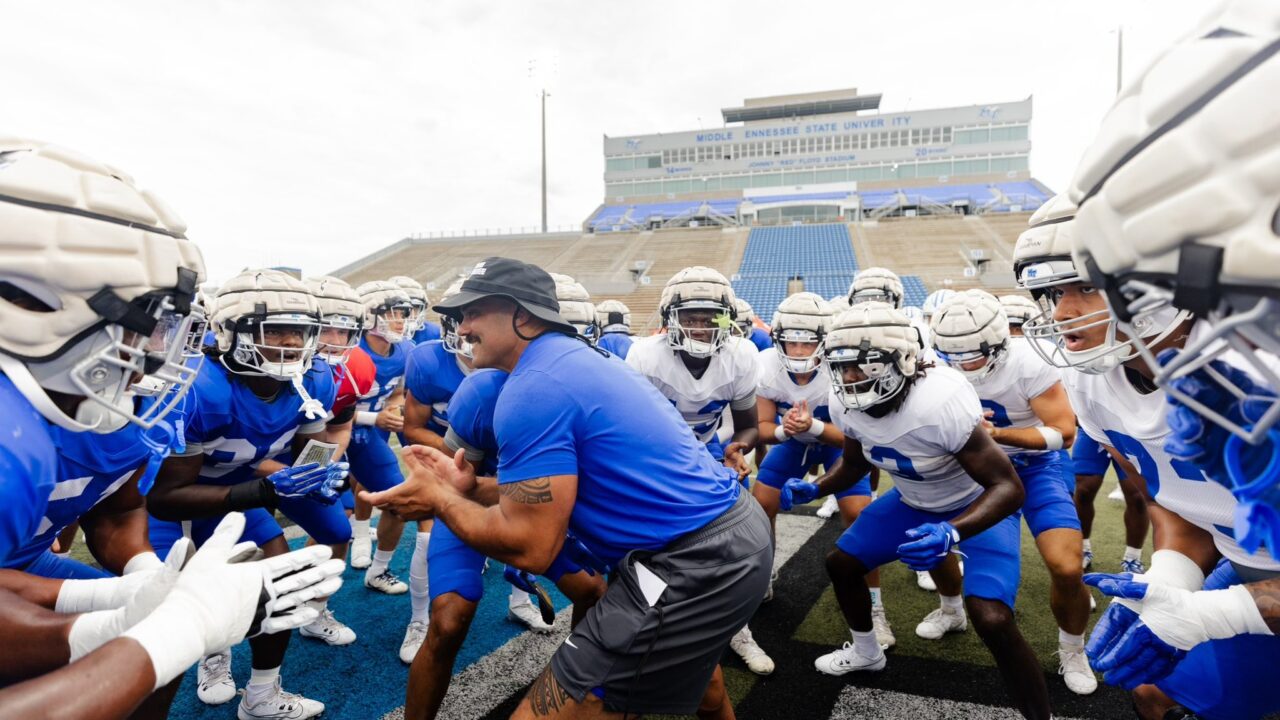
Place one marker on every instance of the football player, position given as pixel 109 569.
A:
pixel 615 330
pixel 1117 402
pixel 1019 309
pixel 418 329
pixel 746 324
pixel 951 483
pixel 703 368
pixel 256 403
pixel 935 300
pixel 1028 415
pixel 391 316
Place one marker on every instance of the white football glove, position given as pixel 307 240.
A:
pixel 82 596
pixel 218 600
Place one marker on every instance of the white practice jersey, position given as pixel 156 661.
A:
pixel 776 384
pixel 730 380
pixel 1112 412
pixel 1008 390
pixel 917 443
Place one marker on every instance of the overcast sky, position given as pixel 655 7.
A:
pixel 310 133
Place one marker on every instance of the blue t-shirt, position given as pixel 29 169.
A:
pixel 91 466
pixel 235 429
pixel 390 371
pixel 472 408
pixel 28 469
pixel 761 339
pixel 617 343
pixel 430 331
pixel 643 479
pixel 432 374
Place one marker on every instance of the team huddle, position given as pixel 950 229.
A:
pixel 172 424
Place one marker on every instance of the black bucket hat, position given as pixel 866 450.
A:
pixel 528 286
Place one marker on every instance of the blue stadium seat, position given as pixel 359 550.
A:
pixel 913 290
pixel 820 254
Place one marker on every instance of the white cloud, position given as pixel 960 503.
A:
pixel 311 133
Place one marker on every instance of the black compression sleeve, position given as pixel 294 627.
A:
pixel 257 493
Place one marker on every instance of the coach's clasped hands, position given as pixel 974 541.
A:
pixel 434 479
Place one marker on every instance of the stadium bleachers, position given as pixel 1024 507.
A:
pixel 914 290
pixel 821 255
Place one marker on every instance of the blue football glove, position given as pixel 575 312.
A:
pixel 527 582
pixel 797 492
pixel 1197 440
pixel 573 553
pixel 320 483
pixel 929 546
pixel 1122 647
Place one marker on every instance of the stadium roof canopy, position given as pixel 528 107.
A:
pixel 805 108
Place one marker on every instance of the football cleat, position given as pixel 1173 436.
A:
pixel 414 635
pixel 884 631
pixel 1074 668
pixel 528 615
pixel 279 705
pixel 1088 559
pixel 385 582
pixel 757 660
pixel 327 628
pixel 214 684
pixel 924 581
pixel 829 507
pixel 361 552
pixel 940 622
pixel 1132 566
pixel 847 659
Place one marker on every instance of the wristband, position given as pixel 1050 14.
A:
pixel 779 434
pixel 364 417
pixel 1170 567
pixel 92 630
pixel 257 493
pixel 142 562
pixel 815 430
pixel 1052 438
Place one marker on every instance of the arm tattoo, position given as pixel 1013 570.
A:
pixel 1266 595
pixel 546 697
pixel 528 492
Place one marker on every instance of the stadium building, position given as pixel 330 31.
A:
pixel 793 193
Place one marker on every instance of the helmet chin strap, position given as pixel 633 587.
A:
pixel 312 408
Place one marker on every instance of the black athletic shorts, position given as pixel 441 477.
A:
pixel 641 659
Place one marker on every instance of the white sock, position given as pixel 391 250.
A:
pixel 419 593
pixel 1088 546
pixel 952 603
pixel 865 643
pixel 359 528
pixel 381 559
pixel 1132 553
pixel 518 597
pixel 1066 639
pixel 875 597
pixel 262 683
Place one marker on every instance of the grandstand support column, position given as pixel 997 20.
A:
pixel 543 95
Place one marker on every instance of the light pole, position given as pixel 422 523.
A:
pixel 543 95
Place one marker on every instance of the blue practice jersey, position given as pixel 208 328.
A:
pixel 617 343
pixel 91 467
pixel 472 409
pixel 430 331
pixel 569 410
pixel 28 469
pixel 235 429
pixel 433 376
pixel 761 339
pixel 390 372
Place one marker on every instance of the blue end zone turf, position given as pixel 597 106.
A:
pixel 365 679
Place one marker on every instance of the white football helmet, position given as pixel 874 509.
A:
pixel 418 297
pixel 96 283
pixel 877 347
pixel 1178 199
pixel 267 324
pixel 746 319
pixel 876 284
pixel 697 308
pixel 576 306
pixel 971 328
pixel 453 342
pixel 802 317
pixel 1018 308
pixel 913 313
pixel 342 317
pixel 935 300
pixel 838 304
pixel 390 310
pixel 615 317
pixel 1043 264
